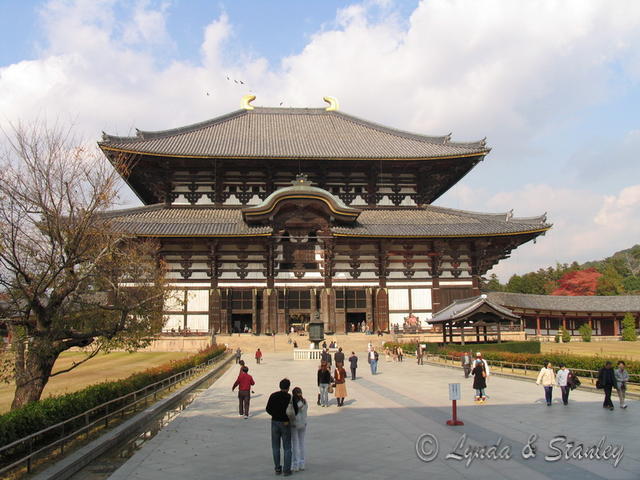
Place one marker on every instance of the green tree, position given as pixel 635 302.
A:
pixel 611 281
pixel 565 335
pixel 631 284
pixel 629 328
pixel 585 332
pixel 493 284
pixel 71 280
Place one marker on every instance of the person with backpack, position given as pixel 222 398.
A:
pixel 297 412
pixel 280 427
pixel 547 378
pixel 563 380
pixel 607 382
pixel 622 377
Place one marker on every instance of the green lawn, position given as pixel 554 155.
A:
pixel 618 350
pixel 110 366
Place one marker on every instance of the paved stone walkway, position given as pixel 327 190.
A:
pixel 374 435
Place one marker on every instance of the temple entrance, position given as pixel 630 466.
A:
pixel 299 322
pixel 241 322
pixel 354 320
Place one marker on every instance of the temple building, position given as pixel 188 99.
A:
pixel 266 215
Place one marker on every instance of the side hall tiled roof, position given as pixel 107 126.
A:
pixel 291 133
pixel 427 221
pixel 463 307
pixel 557 303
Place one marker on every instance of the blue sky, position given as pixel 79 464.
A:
pixel 554 86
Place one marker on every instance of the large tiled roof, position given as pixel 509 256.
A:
pixel 428 221
pixel 291 133
pixel 437 221
pixel 461 309
pixel 621 304
pixel 158 221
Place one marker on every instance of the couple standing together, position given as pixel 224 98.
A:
pixel 288 427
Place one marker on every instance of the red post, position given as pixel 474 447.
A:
pixel 454 421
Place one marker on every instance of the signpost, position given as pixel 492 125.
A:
pixel 454 396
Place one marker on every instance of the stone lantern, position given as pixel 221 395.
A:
pixel 316 330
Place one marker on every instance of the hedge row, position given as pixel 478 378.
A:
pixel 516 347
pixel 489 353
pixel 52 410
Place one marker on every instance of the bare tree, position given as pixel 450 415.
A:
pixel 71 280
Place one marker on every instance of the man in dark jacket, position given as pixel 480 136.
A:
pixel 607 381
pixel 280 428
pixel 339 357
pixel 353 361
pixel 325 357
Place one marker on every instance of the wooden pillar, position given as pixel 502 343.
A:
pixel 255 319
pixel 616 326
pixel 370 317
pixel 435 295
pixel 477 334
pixel 451 332
pixel 484 330
pixel 381 313
pixel 590 321
pixel 475 285
pixel 215 313
pixel 498 327
pixel 538 325
pixel 564 320
pixel 462 332
pixel 444 332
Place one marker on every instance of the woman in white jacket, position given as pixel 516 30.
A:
pixel 298 429
pixel 547 379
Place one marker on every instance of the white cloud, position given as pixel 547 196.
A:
pixel 586 225
pixel 508 70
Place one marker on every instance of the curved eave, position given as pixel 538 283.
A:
pixel 253 157
pixel 476 235
pixel 255 212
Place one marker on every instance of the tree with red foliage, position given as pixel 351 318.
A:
pixel 578 282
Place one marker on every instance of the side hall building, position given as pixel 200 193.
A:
pixel 266 215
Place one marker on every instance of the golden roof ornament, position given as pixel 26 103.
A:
pixel 246 100
pixel 333 104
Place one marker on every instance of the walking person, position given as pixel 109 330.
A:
pixel 280 427
pixel 563 378
pixel 339 356
pixel 387 354
pixel 298 429
pixel 340 381
pixel 479 381
pixel 325 356
pixel 238 355
pixel 373 361
pixel 353 363
pixel 466 363
pixel 607 381
pixel 400 354
pixel 324 380
pixel 547 379
pixel 622 377
pixel 244 383
pixel 419 353
pixel 258 356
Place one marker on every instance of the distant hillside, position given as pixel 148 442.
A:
pixel 618 274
